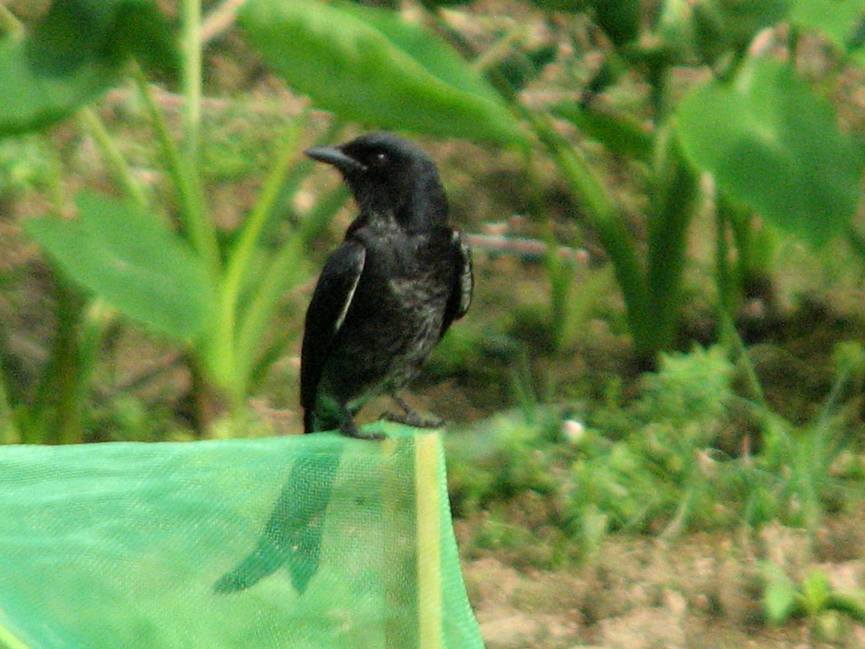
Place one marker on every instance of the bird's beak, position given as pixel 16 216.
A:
pixel 336 157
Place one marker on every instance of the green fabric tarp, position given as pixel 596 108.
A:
pixel 302 542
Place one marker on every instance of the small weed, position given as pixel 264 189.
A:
pixel 653 464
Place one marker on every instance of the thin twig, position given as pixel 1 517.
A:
pixel 220 20
pixel 191 76
pixel 531 248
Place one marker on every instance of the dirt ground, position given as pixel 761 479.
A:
pixel 699 592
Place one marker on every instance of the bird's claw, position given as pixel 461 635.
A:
pixel 414 420
pixel 356 433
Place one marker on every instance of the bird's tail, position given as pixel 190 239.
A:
pixel 308 421
pixel 314 423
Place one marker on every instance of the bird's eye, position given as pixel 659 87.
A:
pixel 379 159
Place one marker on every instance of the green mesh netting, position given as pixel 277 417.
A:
pixel 301 542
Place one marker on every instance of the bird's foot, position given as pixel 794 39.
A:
pixel 350 429
pixel 414 419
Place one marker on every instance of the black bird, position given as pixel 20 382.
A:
pixel 384 299
pixel 388 294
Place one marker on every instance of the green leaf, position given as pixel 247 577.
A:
pixel 779 594
pixel 851 603
pixel 715 26
pixel 742 19
pixel 367 65
pixel 74 54
pixel 132 261
pixel 815 592
pixel 618 133
pixel 32 97
pixel 838 20
pixel 773 144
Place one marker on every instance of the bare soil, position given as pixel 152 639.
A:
pixel 699 592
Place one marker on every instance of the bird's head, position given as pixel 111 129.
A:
pixel 390 178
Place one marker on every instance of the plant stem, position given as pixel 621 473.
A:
pixel 751 377
pixel 191 48
pixel 675 199
pixel 743 238
pixel 283 271
pixel 723 279
pixel 97 318
pixel 205 402
pixel 607 220
pixel 113 158
pixel 55 414
pixel 186 181
pixel 242 253
pixel 501 49
pixel 57 406
pixel 8 431
pixel 9 23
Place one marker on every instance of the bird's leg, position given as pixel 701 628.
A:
pixel 412 418
pixel 348 428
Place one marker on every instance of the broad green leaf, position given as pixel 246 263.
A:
pixel 619 134
pixel 437 57
pixel 74 54
pixel 74 30
pixel 367 65
pixel 132 261
pixel 32 97
pixel 779 594
pixel 773 144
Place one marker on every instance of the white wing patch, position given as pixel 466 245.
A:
pixel 348 298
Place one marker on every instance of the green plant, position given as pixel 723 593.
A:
pixel 662 463
pixel 796 477
pixel 813 598
pixel 171 270
pixel 662 473
pixel 515 455
pixel 770 141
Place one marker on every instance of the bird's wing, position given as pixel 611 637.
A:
pixel 463 282
pixel 326 313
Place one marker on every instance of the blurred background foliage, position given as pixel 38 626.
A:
pixel 664 198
